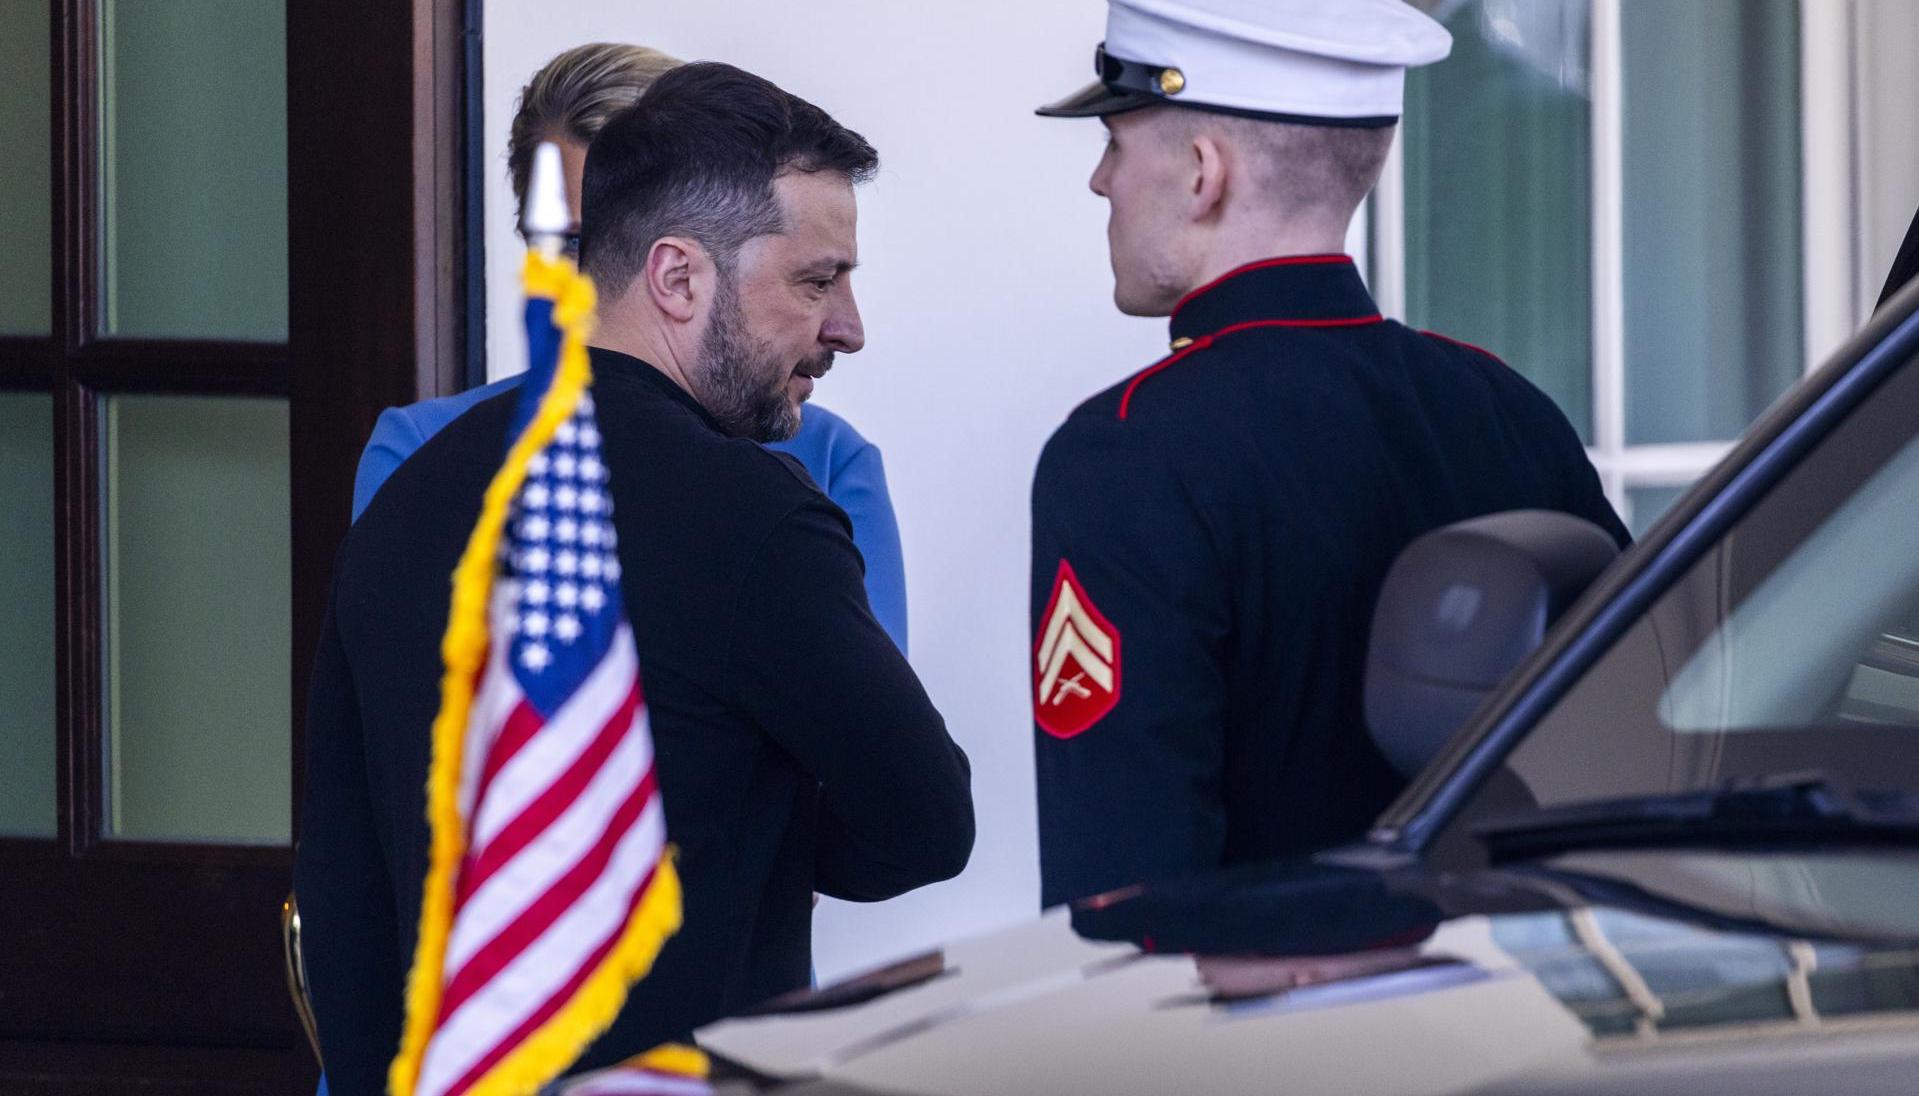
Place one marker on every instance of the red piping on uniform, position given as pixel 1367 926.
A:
pixel 1463 345
pixel 1204 341
pixel 1262 264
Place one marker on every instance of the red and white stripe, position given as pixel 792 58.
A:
pixel 567 830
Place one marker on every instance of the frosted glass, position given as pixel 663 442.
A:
pixel 193 177
pixel 198 619
pixel 27 734
pixel 26 169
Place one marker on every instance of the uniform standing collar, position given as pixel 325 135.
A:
pixel 613 366
pixel 1309 289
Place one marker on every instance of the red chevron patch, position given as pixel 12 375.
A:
pixel 1076 666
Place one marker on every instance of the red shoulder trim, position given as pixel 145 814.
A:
pixel 1204 341
pixel 1126 398
pixel 1463 345
pixel 1262 264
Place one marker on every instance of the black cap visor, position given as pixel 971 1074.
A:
pixel 1096 100
pixel 1121 85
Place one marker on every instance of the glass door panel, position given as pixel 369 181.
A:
pixel 26 169
pixel 193 183
pixel 199 642
pixel 27 796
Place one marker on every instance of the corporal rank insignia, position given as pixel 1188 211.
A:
pixel 1076 661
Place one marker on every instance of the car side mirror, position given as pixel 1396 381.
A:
pixel 1461 607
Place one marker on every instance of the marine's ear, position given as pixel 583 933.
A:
pixel 1206 186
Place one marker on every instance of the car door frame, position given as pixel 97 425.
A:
pixel 1776 444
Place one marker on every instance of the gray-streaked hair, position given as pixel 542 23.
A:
pixel 698 157
pixel 573 96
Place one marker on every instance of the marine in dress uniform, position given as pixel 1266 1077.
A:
pixel 1210 534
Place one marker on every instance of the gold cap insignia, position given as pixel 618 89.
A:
pixel 1172 81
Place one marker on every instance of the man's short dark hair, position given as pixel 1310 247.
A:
pixel 697 157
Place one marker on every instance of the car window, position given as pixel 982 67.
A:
pixel 1818 626
pixel 1792 645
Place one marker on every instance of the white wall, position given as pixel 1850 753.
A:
pixel 986 295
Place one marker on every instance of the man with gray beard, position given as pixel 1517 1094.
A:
pixel 735 285
pixel 796 750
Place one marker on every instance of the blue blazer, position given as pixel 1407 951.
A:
pixel 845 465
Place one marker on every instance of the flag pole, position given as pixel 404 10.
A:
pixel 545 220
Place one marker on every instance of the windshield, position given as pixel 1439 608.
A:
pixel 1791 646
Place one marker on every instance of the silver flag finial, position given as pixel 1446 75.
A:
pixel 546 218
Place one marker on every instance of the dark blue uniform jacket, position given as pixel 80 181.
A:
pixel 1209 538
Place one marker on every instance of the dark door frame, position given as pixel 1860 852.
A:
pixel 153 965
pixel 377 222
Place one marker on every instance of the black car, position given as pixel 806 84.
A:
pixel 1668 843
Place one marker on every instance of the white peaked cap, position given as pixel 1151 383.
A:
pixel 1326 62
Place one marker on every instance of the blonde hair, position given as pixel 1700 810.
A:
pixel 573 97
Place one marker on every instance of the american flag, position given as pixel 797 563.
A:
pixel 550 890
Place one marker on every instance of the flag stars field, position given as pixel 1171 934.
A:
pixel 560 544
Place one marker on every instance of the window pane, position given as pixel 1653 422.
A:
pixel 1497 151
pixel 1714 315
pixel 26 169
pixel 1649 504
pixel 198 619
pixel 27 805
pixel 193 168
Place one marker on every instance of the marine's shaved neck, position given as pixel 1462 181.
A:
pixel 1289 189
pixel 1251 239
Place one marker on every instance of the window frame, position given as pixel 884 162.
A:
pixel 81 368
pixel 1832 244
pixel 377 310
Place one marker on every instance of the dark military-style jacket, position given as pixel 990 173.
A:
pixel 796 750
pixel 1209 539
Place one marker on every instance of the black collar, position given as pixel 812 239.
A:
pixel 1310 290
pixel 613 367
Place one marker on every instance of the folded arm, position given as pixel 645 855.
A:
pixel 827 683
